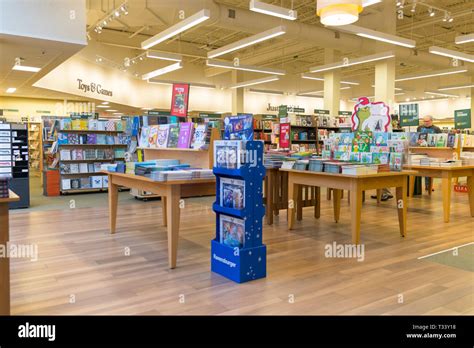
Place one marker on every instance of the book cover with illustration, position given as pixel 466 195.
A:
pixel 423 139
pixel 238 127
pixel 441 140
pixel 232 193
pixel 414 139
pixel 380 157
pixel 399 136
pixel 73 139
pixel 152 136
pixel 431 139
pixel 101 139
pixel 362 141
pixel 92 139
pixel 380 138
pixel 366 157
pixel 162 136
pixel 232 231
pixel 199 137
pixel 185 135
pixel 227 154
pixel 451 140
pixel 66 124
pixel 143 141
pixel 173 136
pixel 396 161
pixel 346 139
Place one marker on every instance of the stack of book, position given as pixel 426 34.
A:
pixel 171 175
pixel 202 174
pixel 467 158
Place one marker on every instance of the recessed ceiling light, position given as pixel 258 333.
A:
pixel 11 90
pixel 105 103
pixel 111 110
pixel 26 68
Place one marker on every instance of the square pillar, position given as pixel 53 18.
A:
pixel 237 93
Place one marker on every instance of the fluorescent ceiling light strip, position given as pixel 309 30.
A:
pixel 309 77
pixel 26 68
pixel 202 85
pixel 366 3
pixel 442 94
pixel 464 39
pixel 178 28
pixel 451 54
pixel 111 110
pixel 379 36
pixel 266 35
pixel 262 91
pixel 272 10
pixel 431 74
pixel 162 71
pixel 396 88
pixel 164 56
pixel 230 65
pixel 322 91
pixel 103 106
pixel 355 61
pixel 255 82
pixel 309 96
pixel 11 90
pixel 448 88
pixel 400 93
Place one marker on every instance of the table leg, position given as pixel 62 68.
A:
pixel 379 196
pixel 299 203
pixel 4 262
pixel 269 198
pixel 401 194
pixel 328 194
pixel 356 210
pixel 430 186
pixel 291 203
pixel 113 201
pixel 411 186
pixel 337 204
pixel 470 189
pixel 164 210
pixel 173 213
pixel 317 203
pixel 446 197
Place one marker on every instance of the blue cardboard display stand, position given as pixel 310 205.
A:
pixel 248 263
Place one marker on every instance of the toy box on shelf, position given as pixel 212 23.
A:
pixel 237 251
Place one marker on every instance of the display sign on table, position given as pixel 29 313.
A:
pixel 462 119
pixel 284 135
pixel 371 116
pixel 283 111
pixel 180 99
pixel 409 115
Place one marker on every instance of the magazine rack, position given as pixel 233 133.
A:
pixel 247 263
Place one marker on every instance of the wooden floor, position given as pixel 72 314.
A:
pixel 80 260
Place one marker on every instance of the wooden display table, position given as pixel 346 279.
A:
pixel 170 192
pixel 5 261
pixel 446 174
pixel 356 184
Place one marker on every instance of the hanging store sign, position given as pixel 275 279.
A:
pixel 409 115
pixel 180 99
pixel 93 88
pixel 462 119
pixel 370 116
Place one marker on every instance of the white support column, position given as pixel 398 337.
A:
pixel 472 104
pixel 332 85
pixel 237 93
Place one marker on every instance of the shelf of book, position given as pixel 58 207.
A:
pixel 92 145
pixel 437 152
pixel 93 160
pixel 83 190
pixel 35 147
pixel 171 149
pixel 92 131
pixel 82 174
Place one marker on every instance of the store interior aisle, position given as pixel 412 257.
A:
pixel 82 269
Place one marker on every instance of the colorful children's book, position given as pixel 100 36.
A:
pixel 431 139
pixel 414 139
pixel 92 139
pixel 423 139
pixel 346 139
pixel 110 125
pixel 362 141
pixel 228 154
pixel 380 157
pixel 73 139
pixel 119 125
pixel 380 138
pixel 354 156
pixel 66 184
pixel 199 137
pixel 232 231
pixel 232 193
pixel 366 157
pixel 162 136
pixel 83 123
pixel 109 139
pixel 62 139
pixel 65 155
pixel 396 161
pixel 441 140
pixel 144 137
pixel 238 127
pixel 96 181
pixel 185 135
pixel 451 140
pixel 66 124
pixel 93 124
pixel 101 139
pixel 399 136
pixel 397 145
pixel 76 124
pixel 173 136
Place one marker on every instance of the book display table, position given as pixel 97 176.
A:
pixel 446 174
pixel 356 184
pixel 170 192
pixel 5 261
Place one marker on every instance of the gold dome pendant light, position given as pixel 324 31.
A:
pixel 339 12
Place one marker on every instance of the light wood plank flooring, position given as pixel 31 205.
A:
pixel 79 260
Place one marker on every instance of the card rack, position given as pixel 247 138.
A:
pixel 247 263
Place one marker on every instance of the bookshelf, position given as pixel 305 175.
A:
pixel 35 147
pixel 304 133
